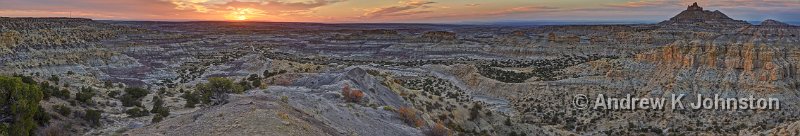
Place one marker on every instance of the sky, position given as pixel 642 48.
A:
pixel 399 11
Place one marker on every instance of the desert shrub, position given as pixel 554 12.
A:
pixel 157 118
pixel 158 107
pixel 92 117
pixel 253 77
pixel 388 108
pixel 268 74
pixel 133 96
pixel 63 110
pixel 129 101
pixel 47 90
pixel 108 84
pixel 41 117
pixel 508 121
pixel 136 112
pixel 409 115
pixel 53 78
pixel 19 101
pixel 54 130
pixel 285 99
pixel 439 129
pixel 4 129
pixel 113 94
pixel 191 99
pixel 135 92
pixel 474 112
pixel 162 90
pixel 85 95
pixel 256 83
pixel 352 95
pixel 26 79
pixel 215 91
pixel 63 94
pixel 245 85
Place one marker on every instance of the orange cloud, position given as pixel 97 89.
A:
pixel 196 5
pixel 243 13
pixel 643 3
pixel 401 10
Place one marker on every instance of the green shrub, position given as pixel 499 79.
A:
pixel 388 108
pixel 136 112
pixel 85 95
pixel 53 78
pixel 22 100
pixel 162 90
pixel 108 84
pixel 133 96
pixel 4 128
pixel 191 99
pixel 26 79
pixel 92 117
pixel 157 118
pixel 268 74
pixel 158 107
pixel 113 94
pixel 253 77
pixel 137 93
pixel 159 110
pixel 48 90
pixel 508 122
pixel 63 94
pixel 256 83
pixel 245 85
pixel 129 101
pixel 215 91
pixel 42 117
pixel 474 112
pixel 63 110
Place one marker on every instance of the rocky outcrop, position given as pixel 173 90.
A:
pixel 774 23
pixel 376 34
pixel 755 62
pixel 695 15
pixel 437 36
pixel 47 32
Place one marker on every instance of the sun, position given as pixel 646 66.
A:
pixel 241 17
pixel 243 13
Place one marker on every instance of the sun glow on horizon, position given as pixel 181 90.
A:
pixel 241 17
pixel 241 14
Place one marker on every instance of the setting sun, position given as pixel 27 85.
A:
pixel 241 17
pixel 243 13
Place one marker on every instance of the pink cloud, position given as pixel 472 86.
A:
pixel 401 10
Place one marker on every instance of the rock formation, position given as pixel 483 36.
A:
pixel 695 15
pixel 774 23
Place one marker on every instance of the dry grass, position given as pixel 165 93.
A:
pixel 409 115
pixel 54 130
pixel 439 129
pixel 352 95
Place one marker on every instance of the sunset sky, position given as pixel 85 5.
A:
pixel 430 11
